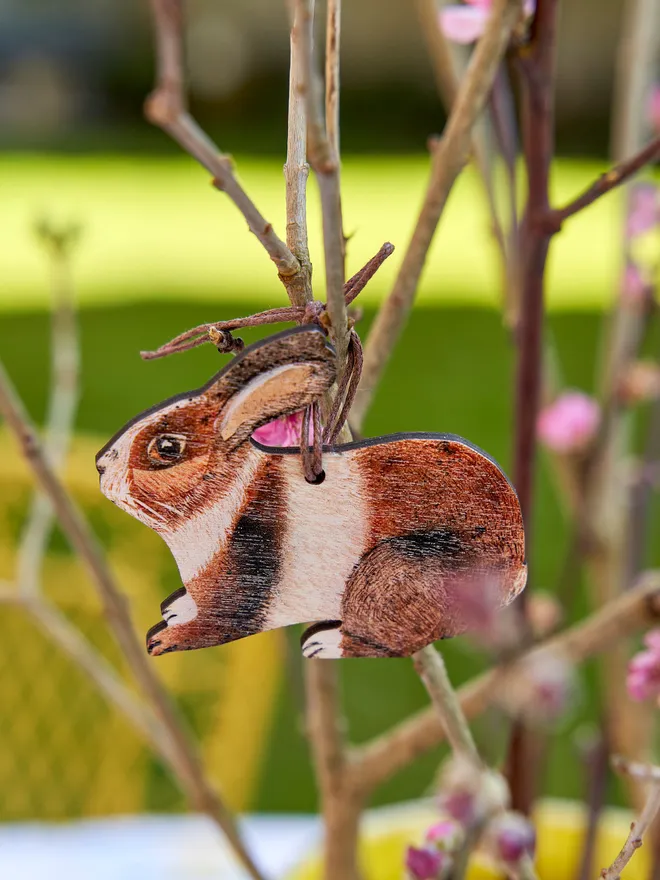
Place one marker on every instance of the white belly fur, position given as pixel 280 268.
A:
pixel 324 537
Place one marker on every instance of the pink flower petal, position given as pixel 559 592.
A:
pixel 464 24
pixel 569 423
pixel 424 863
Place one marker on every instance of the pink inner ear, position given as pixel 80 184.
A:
pixel 284 431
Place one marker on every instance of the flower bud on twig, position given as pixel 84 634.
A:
pixel 425 863
pixel 511 837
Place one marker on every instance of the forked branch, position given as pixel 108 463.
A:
pixel 167 108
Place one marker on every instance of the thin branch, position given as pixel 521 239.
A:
pixel 324 159
pixel 180 755
pixel 619 174
pixel 62 405
pixel 166 107
pixel 324 727
pixel 447 162
pixel 636 769
pixel 56 627
pixel 389 753
pixel 430 666
pixel 537 63
pixel 332 66
pixel 312 312
pixel 296 169
pixel 637 831
pixel 606 499
pixel 341 800
pixel 636 60
pixel 448 70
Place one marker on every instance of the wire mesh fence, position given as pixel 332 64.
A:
pixel 64 750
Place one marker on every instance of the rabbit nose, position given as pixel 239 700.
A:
pixel 100 468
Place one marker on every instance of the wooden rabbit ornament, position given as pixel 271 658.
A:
pixel 378 553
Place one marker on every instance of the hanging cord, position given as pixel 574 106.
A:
pixel 346 392
pixel 219 333
pixel 311 449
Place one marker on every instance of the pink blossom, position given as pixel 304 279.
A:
pixel 643 681
pixel 284 431
pixel 465 24
pixel 424 863
pixel 643 211
pixel 653 108
pixel 570 423
pixel 512 836
pixel 468 794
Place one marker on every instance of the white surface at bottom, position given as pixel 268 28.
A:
pixel 146 847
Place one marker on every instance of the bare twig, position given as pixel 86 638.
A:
pixel 609 180
pixel 448 69
pixel 597 763
pixel 178 749
pixel 447 162
pixel 296 169
pixel 313 311
pixel 637 830
pixel 430 667
pixel 636 769
pixel 166 108
pixel 63 400
pixel 324 159
pixel 389 753
pixel 538 66
pixel 340 808
pixel 606 496
pixel 56 627
pixel 635 71
pixel 332 67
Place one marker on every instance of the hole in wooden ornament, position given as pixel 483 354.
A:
pixel 317 480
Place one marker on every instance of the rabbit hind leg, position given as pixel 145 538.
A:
pixel 402 597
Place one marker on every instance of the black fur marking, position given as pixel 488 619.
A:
pixel 155 629
pixel 438 542
pixel 252 563
pixel 383 650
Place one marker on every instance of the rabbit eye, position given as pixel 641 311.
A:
pixel 166 448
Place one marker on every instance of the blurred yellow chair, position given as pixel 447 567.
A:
pixel 65 752
pixel 560 828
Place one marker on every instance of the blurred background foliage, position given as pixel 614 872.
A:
pixel 161 251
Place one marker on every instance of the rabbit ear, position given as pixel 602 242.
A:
pixel 276 377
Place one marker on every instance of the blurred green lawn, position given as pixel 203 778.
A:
pixel 155 228
pixel 162 252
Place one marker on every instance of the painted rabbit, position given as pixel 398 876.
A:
pixel 379 551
